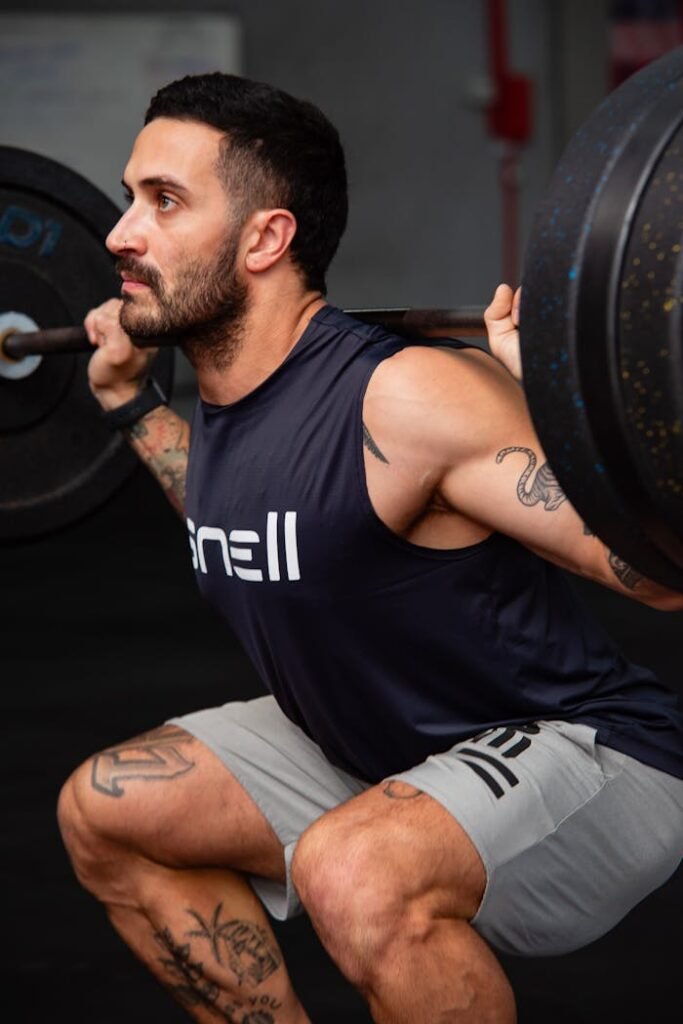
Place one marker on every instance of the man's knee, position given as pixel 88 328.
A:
pixel 357 902
pixel 100 819
pixel 83 823
pixel 100 831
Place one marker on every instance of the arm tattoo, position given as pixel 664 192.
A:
pixel 136 431
pixel 627 576
pixel 162 440
pixel 544 488
pixel 369 443
pixel 153 756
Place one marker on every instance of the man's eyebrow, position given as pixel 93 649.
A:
pixel 163 180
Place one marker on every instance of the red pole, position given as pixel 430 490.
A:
pixel 497 39
pixel 509 120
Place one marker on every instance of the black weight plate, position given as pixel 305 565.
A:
pixel 650 352
pixel 571 289
pixel 30 399
pixel 57 460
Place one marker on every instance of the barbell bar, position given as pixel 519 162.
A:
pixel 465 321
pixel 601 317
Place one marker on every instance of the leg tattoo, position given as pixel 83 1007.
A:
pixel 240 947
pixel 154 755
pixel 244 946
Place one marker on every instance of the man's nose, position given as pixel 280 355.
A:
pixel 125 236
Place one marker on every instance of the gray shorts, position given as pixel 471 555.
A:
pixel 572 834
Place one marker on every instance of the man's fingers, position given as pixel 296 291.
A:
pixel 510 356
pixel 500 305
pixel 102 321
pixel 517 298
pixel 90 324
pixel 502 319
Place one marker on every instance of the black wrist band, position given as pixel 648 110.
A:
pixel 129 413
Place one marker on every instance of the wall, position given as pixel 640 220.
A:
pixel 400 79
pixel 404 83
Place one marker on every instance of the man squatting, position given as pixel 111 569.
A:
pixel 453 759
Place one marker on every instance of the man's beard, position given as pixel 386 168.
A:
pixel 205 313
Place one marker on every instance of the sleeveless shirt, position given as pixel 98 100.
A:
pixel 383 651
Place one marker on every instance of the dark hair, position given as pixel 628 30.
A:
pixel 278 151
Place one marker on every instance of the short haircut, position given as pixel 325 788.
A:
pixel 279 151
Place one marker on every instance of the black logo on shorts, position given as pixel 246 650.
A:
pixel 509 745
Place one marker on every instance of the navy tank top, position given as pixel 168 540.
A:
pixel 383 651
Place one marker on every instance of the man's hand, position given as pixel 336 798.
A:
pixel 502 323
pixel 117 370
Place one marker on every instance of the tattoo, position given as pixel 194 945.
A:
pixel 249 954
pixel 193 988
pixel 369 443
pixel 154 755
pixel 396 790
pixel 545 487
pixel 173 481
pixel 624 573
pixel 136 430
pixel 173 470
pixel 262 1015
pixel 162 441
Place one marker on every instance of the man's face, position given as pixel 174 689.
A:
pixel 178 242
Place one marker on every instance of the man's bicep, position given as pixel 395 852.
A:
pixel 467 419
pixel 474 429
pixel 512 489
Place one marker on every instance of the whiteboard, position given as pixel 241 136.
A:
pixel 75 87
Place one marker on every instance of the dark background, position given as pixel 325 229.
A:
pixel 103 633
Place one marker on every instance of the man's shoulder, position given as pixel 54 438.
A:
pixel 435 361
pixel 432 384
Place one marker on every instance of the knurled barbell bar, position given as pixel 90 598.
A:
pixel 601 328
pixel 465 321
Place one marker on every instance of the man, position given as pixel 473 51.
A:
pixel 455 759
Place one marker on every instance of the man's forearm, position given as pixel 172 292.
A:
pixel 642 588
pixel 162 440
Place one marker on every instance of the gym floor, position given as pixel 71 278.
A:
pixel 105 636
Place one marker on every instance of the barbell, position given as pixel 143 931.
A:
pixel 57 459
pixel 601 330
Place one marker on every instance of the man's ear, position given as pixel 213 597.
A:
pixel 268 238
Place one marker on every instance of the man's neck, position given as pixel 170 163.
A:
pixel 270 331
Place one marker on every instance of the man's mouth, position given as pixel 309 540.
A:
pixel 135 278
pixel 131 283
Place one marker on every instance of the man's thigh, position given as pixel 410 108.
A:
pixel 166 796
pixel 572 835
pixel 286 775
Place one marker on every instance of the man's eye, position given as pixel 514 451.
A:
pixel 165 202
